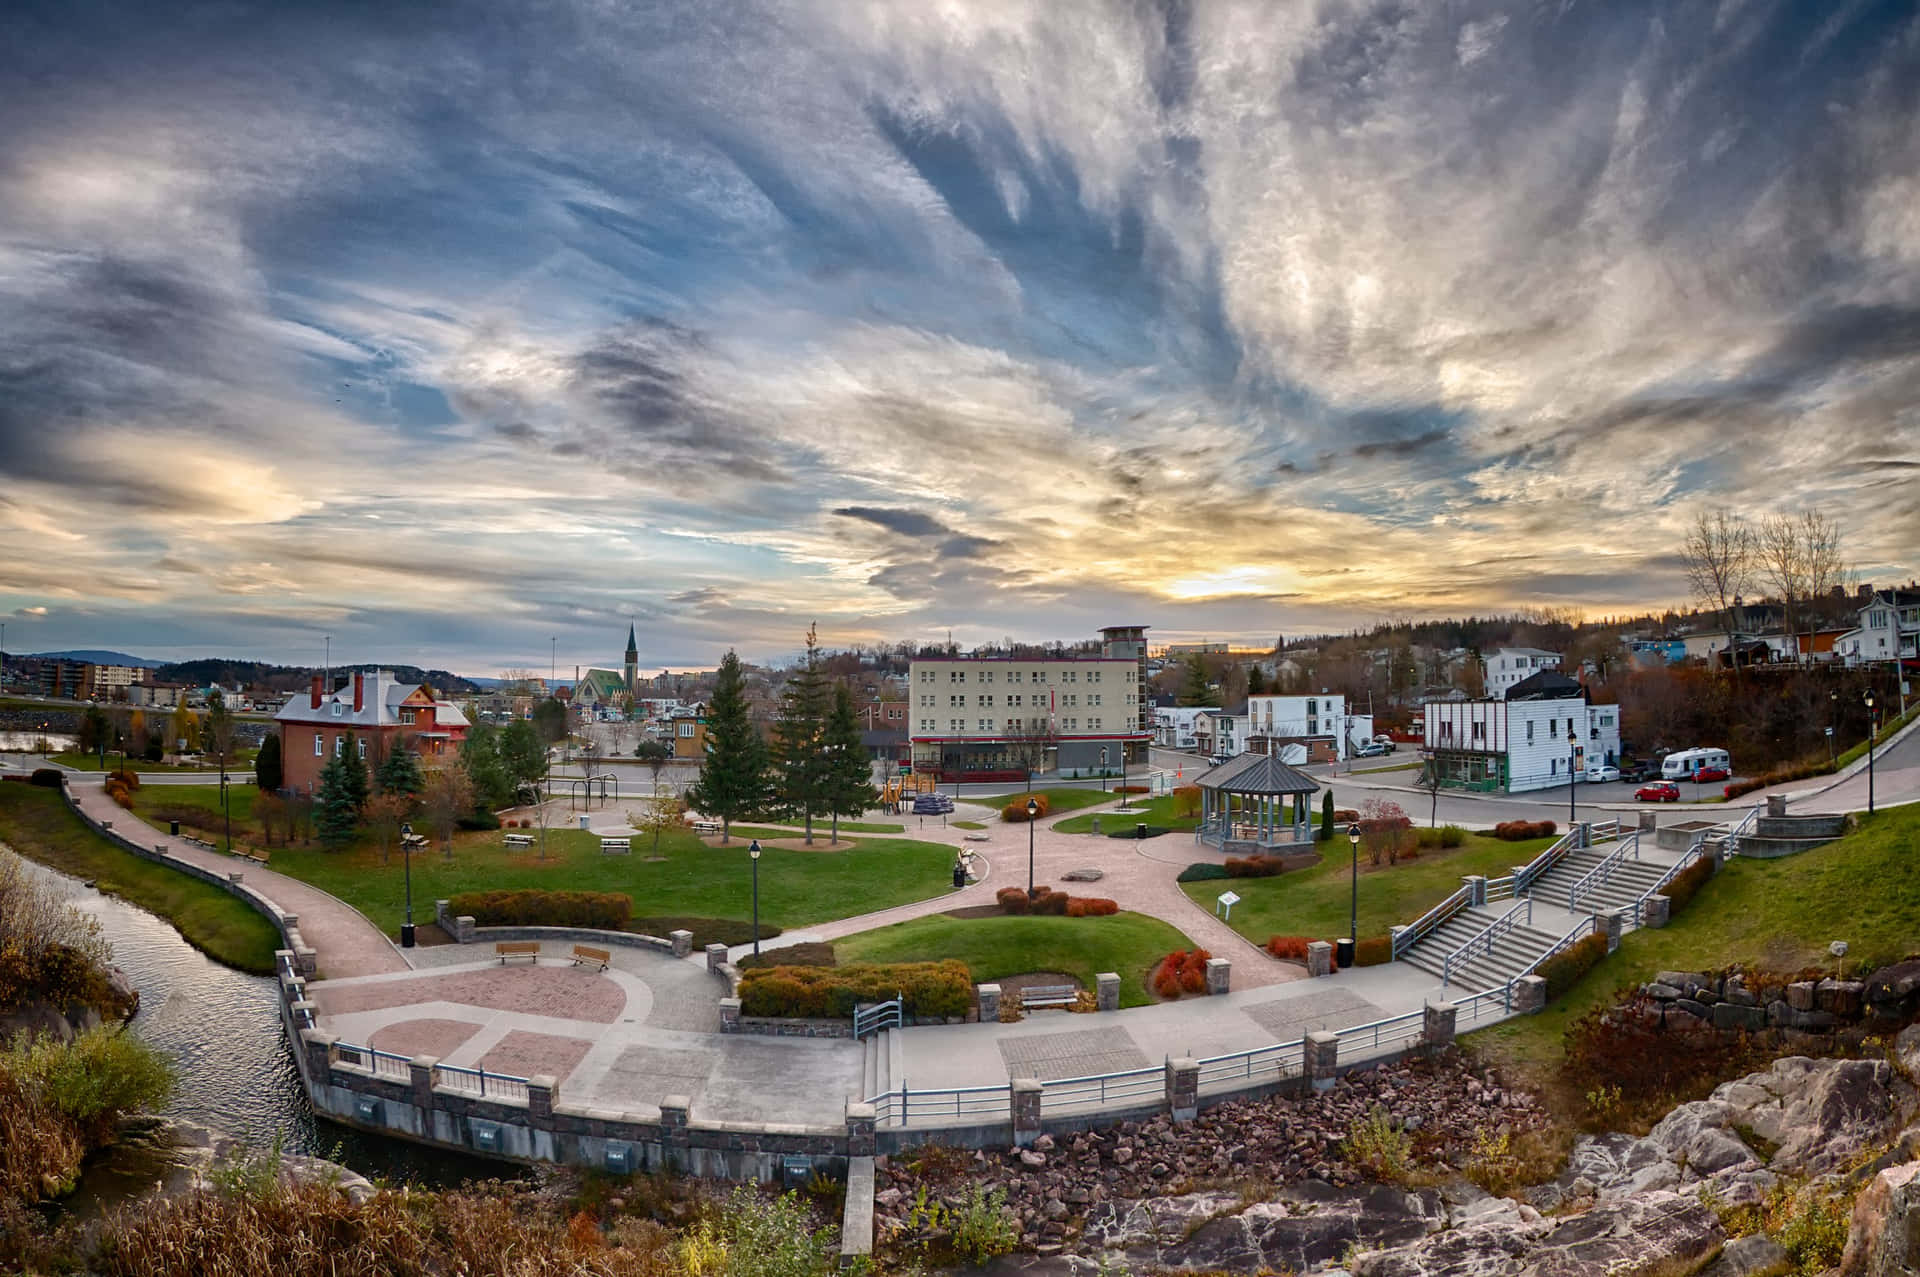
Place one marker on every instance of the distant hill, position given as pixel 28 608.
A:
pixel 294 678
pixel 93 656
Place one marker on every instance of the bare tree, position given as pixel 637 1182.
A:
pixel 385 814
pixel 1030 743
pixel 1719 553
pixel 1799 556
pixel 1432 780
pixel 449 796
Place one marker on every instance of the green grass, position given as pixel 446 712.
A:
pixel 1775 914
pixel 1390 767
pixel 240 762
pixel 1058 800
pixel 995 948
pixel 38 825
pixel 1314 901
pixel 151 799
pixel 1893 725
pixel 820 826
pixel 1155 811
pixel 796 887
pixel 967 824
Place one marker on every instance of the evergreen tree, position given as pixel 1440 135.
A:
pixel 335 813
pixel 522 754
pixel 550 721
pixel 799 763
pixel 733 782
pixel 1256 682
pixel 269 773
pixel 401 774
pixel 849 779
pixel 480 759
pixel 1195 689
pixel 359 786
pixel 1326 817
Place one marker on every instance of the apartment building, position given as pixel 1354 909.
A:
pixel 1322 723
pixel 1508 666
pixel 1543 730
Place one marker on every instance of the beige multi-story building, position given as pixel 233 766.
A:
pixel 1001 717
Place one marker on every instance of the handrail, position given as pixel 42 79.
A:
pixel 1692 853
pixel 1603 831
pixel 1491 932
pixel 881 1015
pixel 898 1107
pixel 505 1085
pixel 1288 1059
pixel 1411 934
pixel 1379 1030
pixel 1523 876
pixel 1580 929
pixel 1739 831
pixel 1602 873
pixel 1500 888
pixel 1121 1085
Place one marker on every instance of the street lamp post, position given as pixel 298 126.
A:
pixel 753 854
pixel 1573 748
pixel 1033 811
pixel 406 861
pixel 1353 904
pixel 226 808
pixel 1833 717
pixel 1103 769
pixel 1870 735
pixel 1123 777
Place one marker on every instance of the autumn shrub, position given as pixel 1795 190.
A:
pixel 45 777
pixel 1444 836
pixel 1346 816
pixel 126 776
pixel 1129 789
pixel 1186 800
pixel 1686 883
pixel 1777 776
pixel 1288 948
pixel 1522 830
pixel 1373 951
pixel 122 798
pixel 1255 866
pixel 1048 903
pixel 1091 907
pixel 1012 900
pixel 1632 1067
pixel 1182 971
pixel 942 988
pixel 604 910
pixel 1203 871
pixel 1015 812
pixel 1563 970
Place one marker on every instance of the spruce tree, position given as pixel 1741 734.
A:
pixel 849 775
pixel 799 762
pixel 480 759
pixel 359 784
pixel 269 773
pixel 522 754
pixel 733 783
pixel 401 773
pixel 1326 817
pixel 335 814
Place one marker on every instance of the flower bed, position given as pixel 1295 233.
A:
pixel 927 989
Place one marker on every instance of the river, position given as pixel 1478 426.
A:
pixel 236 1072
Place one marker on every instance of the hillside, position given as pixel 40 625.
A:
pixel 292 678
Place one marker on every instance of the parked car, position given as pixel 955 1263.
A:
pixel 1387 743
pixel 1220 760
pixel 1600 772
pixel 1661 791
pixel 1706 774
pixel 1372 749
pixel 1639 773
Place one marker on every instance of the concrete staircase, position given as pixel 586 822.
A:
pixel 881 1063
pixel 1629 881
pixel 1513 953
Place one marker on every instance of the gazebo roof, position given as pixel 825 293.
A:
pixel 1257 774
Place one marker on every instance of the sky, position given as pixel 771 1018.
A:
pixel 466 335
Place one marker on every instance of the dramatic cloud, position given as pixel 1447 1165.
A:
pixel 469 336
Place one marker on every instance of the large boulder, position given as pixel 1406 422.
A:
pixel 1884 1239
pixel 1306 1225
pixel 1894 992
pixel 1657 1232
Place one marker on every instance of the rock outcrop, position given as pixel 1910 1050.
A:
pixel 1884 1237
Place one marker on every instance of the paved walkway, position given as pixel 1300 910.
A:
pixel 345 942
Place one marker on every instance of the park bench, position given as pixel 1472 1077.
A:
pixel 616 846
pixel 257 857
pixel 519 840
pixel 587 953
pixel 706 826
pixel 1048 995
pixel 528 949
pixel 201 843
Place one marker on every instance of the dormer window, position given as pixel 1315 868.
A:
pixel 336 709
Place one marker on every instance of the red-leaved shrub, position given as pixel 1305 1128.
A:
pixel 1522 830
pixel 1091 907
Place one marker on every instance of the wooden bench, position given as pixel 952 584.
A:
pixel 1048 995
pixel 528 949
pixel 706 826
pixel 616 846
pixel 587 953
pixel 257 857
pixel 519 840
pixel 201 843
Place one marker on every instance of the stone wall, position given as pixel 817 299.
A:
pixel 1722 1000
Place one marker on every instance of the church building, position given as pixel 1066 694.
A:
pixel 607 690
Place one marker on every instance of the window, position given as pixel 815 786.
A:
pixel 1014 700
pixel 1094 699
pixel 1529 731
pixel 363 747
pixel 319 748
pixel 986 702
pixel 1094 677
pixel 986 724
pixel 986 676
pixel 336 709
pixel 1013 676
pixel 406 716
pixel 686 731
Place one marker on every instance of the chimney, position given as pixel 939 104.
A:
pixel 358 690
pixel 316 692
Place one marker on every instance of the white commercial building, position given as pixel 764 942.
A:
pixel 1508 666
pixel 1173 726
pixel 1532 738
pixel 1889 630
pixel 1307 719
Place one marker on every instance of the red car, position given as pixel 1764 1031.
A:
pixel 1664 791
pixel 1706 774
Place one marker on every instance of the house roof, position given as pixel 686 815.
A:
pixel 1526 651
pixel 380 703
pixel 604 684
pixel 1547 685
pixel 1257 774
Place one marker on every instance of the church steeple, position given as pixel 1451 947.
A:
pixel 633 663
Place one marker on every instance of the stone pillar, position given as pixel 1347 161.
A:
pixel 442 909
pixel 1393 939
pixel 319 1045
pixel 1183 1088
pixel 1586 834
pixel 729 1015
pixel 682 943
pixel 1649 821
pixel 234 878
pixel 1476 888
pixel 542 1089
pixel 302 1010
pixel 1655 910
pixel 420 1078
pixel 861 1125
pixel 1612 924
pixel 306 962
pixel 1219 976
pixel 1776 805
pixel 1321 1058
pixel 1437 1025
pixel 1319 958
pixel 989 995
pixel 674 1111
pixel 1024 1095
pixel 1107 990
pixel 716 956
pixel 463 929
pixel 1529 995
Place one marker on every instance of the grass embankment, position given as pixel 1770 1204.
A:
pixel 1775 914
pixel 150 801
pixel 240 763
pixel 996 948
pixel 38 825
pixel 1058 800
pixel 1154 811
pixel 1315 901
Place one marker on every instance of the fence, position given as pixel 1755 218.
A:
pixel 377 1062
pixel 958 1103
pixel 1739 830
pixel 881 1015
pixel 1523 877
pixel 493 1086
pixel 1100 1089
pixel 1602 873
pixel 1419 928
pixel 1279 1061
pixel 1391 1033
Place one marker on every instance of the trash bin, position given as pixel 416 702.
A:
pixel 1343 952
pixel 1140 830
pixel 173 827
pixel 583 820
pixel 959 875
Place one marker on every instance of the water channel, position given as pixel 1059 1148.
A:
pixel 236 1072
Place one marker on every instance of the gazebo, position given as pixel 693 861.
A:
pixel 1244 805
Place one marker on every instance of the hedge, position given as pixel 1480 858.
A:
pixel 479 820
pixel 604 910
pixel 1015 812
pixel 1444 836
pixel 1686 883
pixel 1563 970
pixel 1778 776
pixel 813 953
pixel 1522 830
pixel 1091 907
pixel 1372 951
pixel 927 989
pixel 1255 866
pixel 1203 871
pixel 45 777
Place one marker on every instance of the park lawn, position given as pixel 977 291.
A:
pixel 242 761
pixel 1779 915
pixel 796 887
pixel 1154 811
pixel 819 827
pixel 968 824
pixel 995 948
pixel 149 800
pixel 1314 902
pixel 1058 800
pixel 38 825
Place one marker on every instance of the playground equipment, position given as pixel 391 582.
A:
pixel 895 791
pixel 582 793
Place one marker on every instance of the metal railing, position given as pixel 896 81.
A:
pixel 1602 830
pixel 1575 933
pixel 1281 1060
pixel 1391 1032
pixel 1492 932
pixel 1499 888
pixel 1602 873
pixel 375 1061
pixel 1523 876
pixel 1422 926
pixel 492 1086
pixel 1739 831
pixel 901 1107
pixel 1100 1088
pixel 881 1015
pixel 1491 1004
pixel 1692 853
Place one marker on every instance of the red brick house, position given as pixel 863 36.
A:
pixel 373 714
